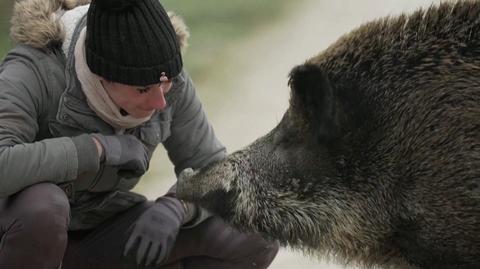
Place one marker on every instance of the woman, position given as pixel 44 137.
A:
pixel 85 98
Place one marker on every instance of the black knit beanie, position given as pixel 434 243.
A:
pixel 131 42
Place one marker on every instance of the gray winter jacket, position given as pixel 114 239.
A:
pixel 44 114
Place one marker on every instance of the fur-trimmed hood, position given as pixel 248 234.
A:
pixel 37 23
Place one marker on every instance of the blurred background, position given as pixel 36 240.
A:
pixel 240 54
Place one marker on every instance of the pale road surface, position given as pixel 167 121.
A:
pixel 255 77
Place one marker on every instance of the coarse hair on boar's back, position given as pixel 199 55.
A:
pixel 377 160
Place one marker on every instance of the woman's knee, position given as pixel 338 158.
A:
pixel 43 209
pixel 261 252
pixel 254 253
pixel 244 249
pixel 267 254
pixel 35 220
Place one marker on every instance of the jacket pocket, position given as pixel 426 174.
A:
pixel 99 207
pixel 106 180
pixel 76 113
pixel 157 130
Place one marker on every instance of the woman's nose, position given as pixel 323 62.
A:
pixel 156 99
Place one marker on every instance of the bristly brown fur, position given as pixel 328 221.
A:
pixel 398 183
pixel 397 41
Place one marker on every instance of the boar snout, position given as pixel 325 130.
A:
pixel 185 186
pixel 195 185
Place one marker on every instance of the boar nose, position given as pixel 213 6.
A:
pixel 185 188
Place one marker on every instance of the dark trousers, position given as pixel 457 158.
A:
pixel 34 234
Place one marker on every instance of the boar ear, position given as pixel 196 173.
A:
pixel 312 91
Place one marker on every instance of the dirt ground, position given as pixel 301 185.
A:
pixel 256 81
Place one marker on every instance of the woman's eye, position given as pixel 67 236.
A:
pixel 143 90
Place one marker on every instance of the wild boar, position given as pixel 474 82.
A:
pixel 377 159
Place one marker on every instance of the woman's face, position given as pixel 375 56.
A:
pixel 139 101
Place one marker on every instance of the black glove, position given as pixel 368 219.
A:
pixel 156 230
pixel 126 152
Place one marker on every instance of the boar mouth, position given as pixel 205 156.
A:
pixel 220 202
pixel 210 188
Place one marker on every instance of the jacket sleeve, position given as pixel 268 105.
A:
pixel 24 160
pixel 192 142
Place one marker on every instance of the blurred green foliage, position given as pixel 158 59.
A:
pixel 5 11
pixel 215 25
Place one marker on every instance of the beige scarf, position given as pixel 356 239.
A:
pixel 97 97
